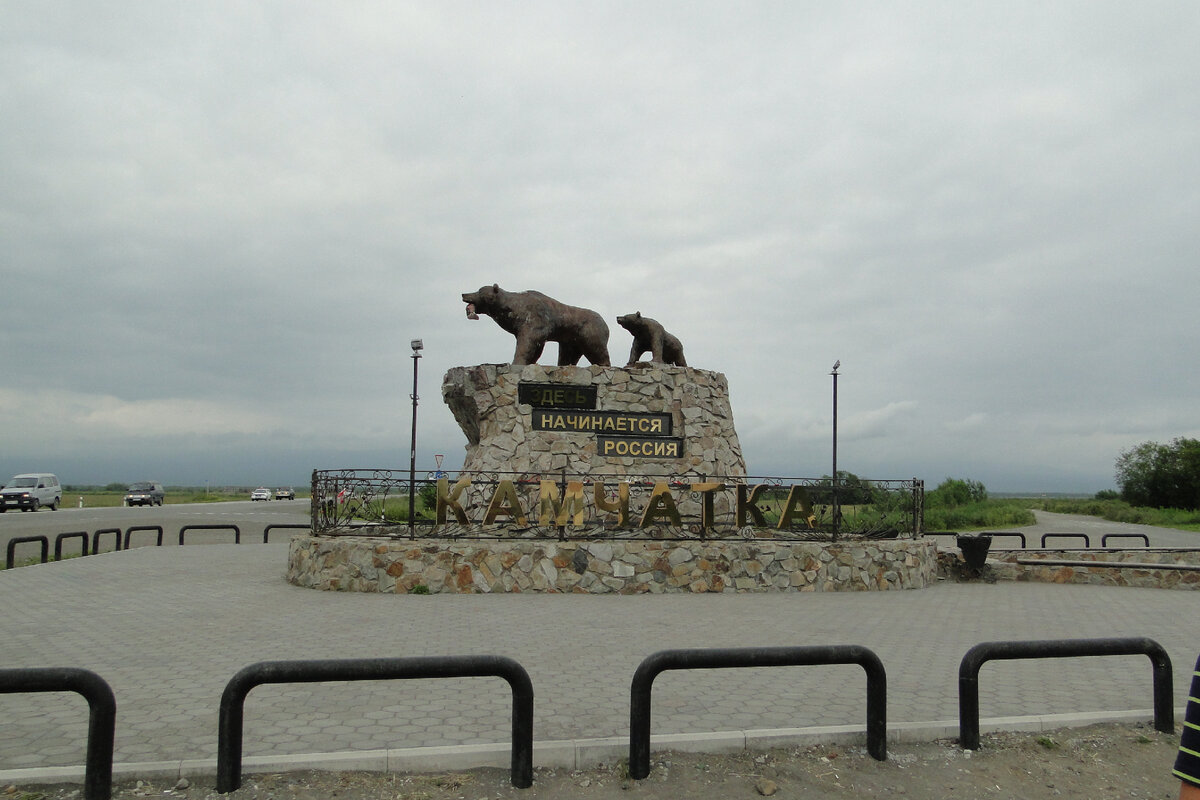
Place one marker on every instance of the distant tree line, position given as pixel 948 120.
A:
pixel 853 490
pixel 1161 475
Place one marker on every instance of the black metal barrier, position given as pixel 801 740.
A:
pixel 1104 539
pixel 1087 542
pixel 1019 535
pixel 58 543
pixel 237 532
pixel 721 658
pixel 233 699
pixel 129 531
pixel 116 532
pixel 968 674
pixel 295 526
pixel 102 716
pixel 16 540
pixel 939 533
pixel 119 545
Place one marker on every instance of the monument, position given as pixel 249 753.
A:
pixel 656 418
pixel 598 479
pixel 535 319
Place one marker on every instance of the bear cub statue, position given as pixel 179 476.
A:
pixel 649 335
pixel 535 319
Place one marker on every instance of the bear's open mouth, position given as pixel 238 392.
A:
pixel 471 311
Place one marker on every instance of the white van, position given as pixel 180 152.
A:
pixel 31 491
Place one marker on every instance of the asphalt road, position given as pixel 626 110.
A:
pixel 1097 528
pixel 250 517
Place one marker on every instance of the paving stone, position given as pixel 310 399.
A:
pixel 168 627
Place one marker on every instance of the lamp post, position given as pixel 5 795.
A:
pixel 417 346
pixel 836 510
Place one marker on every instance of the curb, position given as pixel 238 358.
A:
pixel 571 753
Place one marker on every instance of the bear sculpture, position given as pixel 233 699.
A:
pixel 649 335
pixel 535 319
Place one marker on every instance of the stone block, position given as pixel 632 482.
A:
pixel 591 753
pixel 679 555
pixel 603 551
pixel 715 742
pixel 500 434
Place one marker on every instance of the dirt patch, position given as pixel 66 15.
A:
pixel 1101 761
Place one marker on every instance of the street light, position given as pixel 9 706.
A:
pixel 836 510
pixel 417 346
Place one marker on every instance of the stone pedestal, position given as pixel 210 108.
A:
pixel 644 421
pixel 363 564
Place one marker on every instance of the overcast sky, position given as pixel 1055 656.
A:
pixel 222 223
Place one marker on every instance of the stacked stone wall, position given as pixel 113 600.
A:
pixel 500 436
pixel 1101 569
pixel 364 564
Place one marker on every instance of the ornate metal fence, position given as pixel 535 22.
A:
pixel 563 505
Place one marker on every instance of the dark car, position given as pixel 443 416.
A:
pixel 145 493
pixel 285 494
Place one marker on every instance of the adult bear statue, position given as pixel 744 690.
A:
pixel 536 319
pixel 649 335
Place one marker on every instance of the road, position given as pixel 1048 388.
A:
pixel 250 517
pixel 1097 528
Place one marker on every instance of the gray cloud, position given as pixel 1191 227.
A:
pixel 226 222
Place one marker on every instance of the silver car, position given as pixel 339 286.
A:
pixel 30 491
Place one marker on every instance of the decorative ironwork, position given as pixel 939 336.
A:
pixel 376 502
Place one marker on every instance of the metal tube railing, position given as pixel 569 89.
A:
pixel 721 658
pixel 102 716
pixel 229 725
pixel 977 656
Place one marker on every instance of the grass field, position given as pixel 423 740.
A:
pixel 983 515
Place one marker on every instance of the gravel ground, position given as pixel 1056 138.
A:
pixel 1101 761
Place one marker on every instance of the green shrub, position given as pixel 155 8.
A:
pixel 954 492
pixel 985 515
pixel 428 496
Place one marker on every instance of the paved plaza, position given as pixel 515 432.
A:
pixel 167 627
